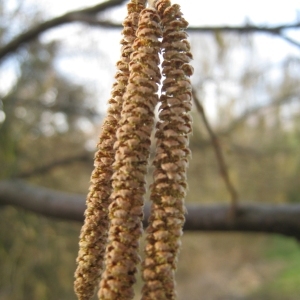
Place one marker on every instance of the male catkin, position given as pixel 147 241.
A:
pixel 93 236
pixel 170 164
pixel 130 167
pixel 114 213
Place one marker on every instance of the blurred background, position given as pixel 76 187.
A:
pixel 53 94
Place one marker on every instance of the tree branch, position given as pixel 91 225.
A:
pixel 274 30
pixel 35 31
pixel 261 218
pixel 220 157
pixel 290 96
pixel 42 201
pixel 289 40
pixel 40 170
pixel 87 16
pixel 248 28
pixel 277 30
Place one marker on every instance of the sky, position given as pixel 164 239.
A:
pixel 212 12
pixel 198 13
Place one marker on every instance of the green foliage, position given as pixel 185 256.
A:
pixel 35 253
pixel 285 285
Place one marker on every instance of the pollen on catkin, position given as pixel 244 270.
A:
pixel 131 159
pixel 93 236
pixel 171 159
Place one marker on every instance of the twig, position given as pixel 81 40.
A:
pixel 290 96
pixel 35 31
pixel 273 30
pixel 289 40
pixel 84 157
pixel 247 28
pixel 87 16
pixel 220 157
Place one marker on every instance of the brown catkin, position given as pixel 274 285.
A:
pixel 93 236
pixel 171 160
pixel 132 153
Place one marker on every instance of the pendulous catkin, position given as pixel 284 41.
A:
pixel 131 159
pixel 113 218
pixel 171 160
pixel 93 236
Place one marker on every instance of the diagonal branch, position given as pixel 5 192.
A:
pixel 220 157
pixel 261 218
pixel 291 95
pixel 35 31
pixel 84 157
pixel 289 40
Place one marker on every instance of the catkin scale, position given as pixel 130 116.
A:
pixel 169 187
pixel 93 236
pixel 132 152
pixel 116 197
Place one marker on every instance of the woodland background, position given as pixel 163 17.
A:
pixel 49 123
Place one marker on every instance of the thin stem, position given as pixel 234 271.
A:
pixel 220 157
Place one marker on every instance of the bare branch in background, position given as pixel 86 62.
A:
pixel 290 96
pixel 282 99
pixel 261 218
pixel 84 157
pixel 88 16
pixel 220 157
pixel 273 30
pixel 248 28
pixel 289 40
pixel 35 31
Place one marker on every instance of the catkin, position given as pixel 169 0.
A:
pixel 113 218
pixel 171 160
pixel 93 236
pixel 131 157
